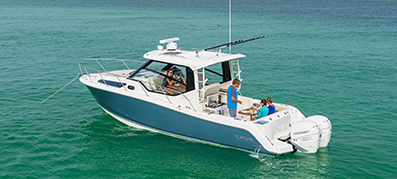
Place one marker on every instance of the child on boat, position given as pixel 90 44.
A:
pixel 178 75
pixel 270 106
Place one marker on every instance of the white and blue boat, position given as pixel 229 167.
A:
pixel 194 107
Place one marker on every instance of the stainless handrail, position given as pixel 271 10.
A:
pixel 109 59
pixel 126 65
pixel 165 94
pixel 143 89
pixel 117 76
pixel 89 76
pixel 187 99
pixel 189 102
pixel 81 72
pixel 121 83
pixel 100 65
pixel 203 88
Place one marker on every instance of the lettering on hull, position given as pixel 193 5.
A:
pixel 244 139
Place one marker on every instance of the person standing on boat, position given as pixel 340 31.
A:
pixel 232 98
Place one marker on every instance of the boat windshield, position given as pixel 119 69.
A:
pixel 164 78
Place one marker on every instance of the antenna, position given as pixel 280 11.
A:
pixel 171 46
pixel 170 40
pixel 217 35
pixel 230 26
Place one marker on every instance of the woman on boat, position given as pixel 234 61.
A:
pixel 263 111
pixel 168 81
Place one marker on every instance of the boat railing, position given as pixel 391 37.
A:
pixel 104 59
pixel 165 94
pixel 104 71
pixel 107 73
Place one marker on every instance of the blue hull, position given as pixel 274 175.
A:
pixel 163 119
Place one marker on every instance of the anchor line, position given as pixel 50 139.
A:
pixel 60 89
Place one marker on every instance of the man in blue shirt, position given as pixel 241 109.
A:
pixel 232 98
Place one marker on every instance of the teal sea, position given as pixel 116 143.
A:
pixel 336 58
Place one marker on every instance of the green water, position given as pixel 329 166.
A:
pixel 334 58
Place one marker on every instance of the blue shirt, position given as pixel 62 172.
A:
pixel 263 111
pixel 272 109
pixel 231 91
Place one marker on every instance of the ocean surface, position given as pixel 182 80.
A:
pixel 336 58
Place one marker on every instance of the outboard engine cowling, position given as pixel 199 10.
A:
pixel 305 136
pixel 325 127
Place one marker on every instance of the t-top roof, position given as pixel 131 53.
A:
pixel 193 59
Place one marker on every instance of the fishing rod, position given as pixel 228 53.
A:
pixel 234 43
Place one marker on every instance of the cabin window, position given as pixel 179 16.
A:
pixel 112 83
pixel 153 76
pixel 217 73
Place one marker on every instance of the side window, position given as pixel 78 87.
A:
pixel 218 73
pixel 213 74
pixel 178 79
pixel 165 78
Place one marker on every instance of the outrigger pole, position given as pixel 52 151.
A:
pixel 234 43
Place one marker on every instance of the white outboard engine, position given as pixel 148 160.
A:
pixel 325 127
pixel 305 136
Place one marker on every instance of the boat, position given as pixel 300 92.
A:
pixel 195 106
